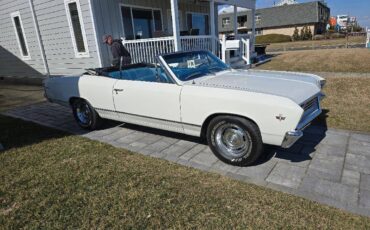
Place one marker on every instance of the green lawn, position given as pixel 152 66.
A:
pixel 347 103
pixel 55 181
pixel 316 43
pixel 331 60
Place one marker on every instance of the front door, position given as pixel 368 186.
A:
pixel 152 104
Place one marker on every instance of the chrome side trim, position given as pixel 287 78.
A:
pixel 173 126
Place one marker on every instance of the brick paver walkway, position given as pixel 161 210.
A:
pixel 328 166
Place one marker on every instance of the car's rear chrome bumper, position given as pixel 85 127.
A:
pixel 290 138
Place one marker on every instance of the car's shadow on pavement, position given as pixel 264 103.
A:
pixel 301 151
pixel 110 124
pixel 304 149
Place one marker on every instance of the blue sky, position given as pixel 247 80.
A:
pixel 357 8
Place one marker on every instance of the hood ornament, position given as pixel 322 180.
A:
pixel 280 117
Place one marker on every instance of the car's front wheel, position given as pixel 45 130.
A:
pixel 234 140
pixel 85 114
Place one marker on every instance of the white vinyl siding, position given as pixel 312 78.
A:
pixel 76 27
pixel 55 33
pixel 56 36
pixel 12 64
pixel 21 36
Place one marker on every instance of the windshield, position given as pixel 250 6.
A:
pixel 191 65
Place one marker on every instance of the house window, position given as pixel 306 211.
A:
pixel 140 23
pixel 242 21
pixel 259 32
pixel 258 18
pixel 225 22
pixel 197 23
pixel 76 28
pixel 21 37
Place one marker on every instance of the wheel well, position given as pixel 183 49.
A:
pixel 209 119
pixel 73 99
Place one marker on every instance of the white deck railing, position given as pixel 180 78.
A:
pixel 145 50
pixel 241 46
pixel 189 43
pixel 245 50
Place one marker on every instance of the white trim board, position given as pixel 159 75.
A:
pixel 17 14
pixel 77 54
pixel 93 21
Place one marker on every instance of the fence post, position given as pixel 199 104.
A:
pixel 223 48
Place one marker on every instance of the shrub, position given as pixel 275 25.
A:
pixel 273 38
pixel 309 33
pixel 296 35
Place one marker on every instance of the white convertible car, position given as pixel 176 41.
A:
pixel 195 93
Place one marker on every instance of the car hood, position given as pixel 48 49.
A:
pixel 296 86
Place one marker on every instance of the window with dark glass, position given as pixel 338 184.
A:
pixel 139 23
pixel 242 21
pixel 77 30
pixel 225 22
pixel 127 22
pixel 157 20
pixel 198 24
pixel 22 42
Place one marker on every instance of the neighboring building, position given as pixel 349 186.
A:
pixel 279 19
pixel 63 37
pixel 342 21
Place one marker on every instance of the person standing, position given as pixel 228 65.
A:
pixel 119 52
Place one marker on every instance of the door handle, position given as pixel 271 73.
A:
pixel 118 90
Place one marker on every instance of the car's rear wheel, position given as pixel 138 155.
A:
pixel 235 140
pixel 85 114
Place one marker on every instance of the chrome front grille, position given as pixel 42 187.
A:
pixel 311 111
pixel 311 106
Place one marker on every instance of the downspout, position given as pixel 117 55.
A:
pixel 41 45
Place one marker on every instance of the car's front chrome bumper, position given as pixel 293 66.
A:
pixel 290 138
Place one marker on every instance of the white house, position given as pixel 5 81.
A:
pixel 39 38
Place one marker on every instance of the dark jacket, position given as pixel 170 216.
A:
pixel 118 51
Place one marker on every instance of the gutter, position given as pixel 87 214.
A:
pixel 41 45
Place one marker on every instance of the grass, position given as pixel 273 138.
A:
pixel 273 38
pixel 338 60
pixel 52 180
pixel 347 103
pixel 316 43
pixel 19 95
pixel 348 98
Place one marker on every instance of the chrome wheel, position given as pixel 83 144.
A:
pixel 233 141
pixel 83 113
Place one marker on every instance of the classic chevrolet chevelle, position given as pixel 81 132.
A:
pixel 197 94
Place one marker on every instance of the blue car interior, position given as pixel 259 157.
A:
pixel 141 74
pixel 137 72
